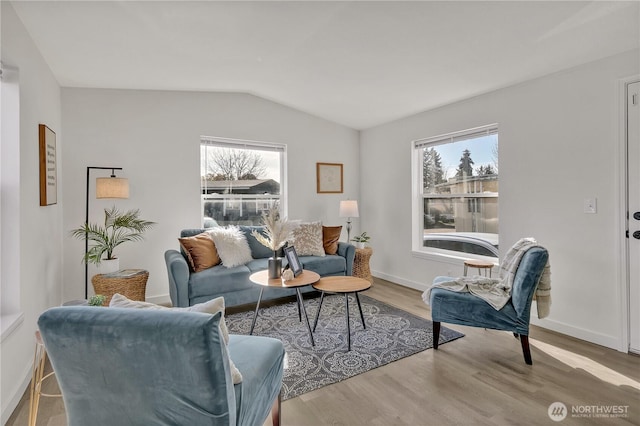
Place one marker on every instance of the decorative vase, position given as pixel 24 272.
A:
pixel 108 266
pixel 275 267
pixel 360 245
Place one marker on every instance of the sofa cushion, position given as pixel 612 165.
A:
pixel 232 245
pixel 330 238
pixel 258 265
pixel 258 250
pixel 325 265
pixel 307 239
pixel 261 358
pixel 218 280
pixel 200 251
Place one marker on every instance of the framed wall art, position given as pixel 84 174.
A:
pixel 329 178
pixel 48 166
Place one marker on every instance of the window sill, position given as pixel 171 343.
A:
pixel 9 324
pixel 444 256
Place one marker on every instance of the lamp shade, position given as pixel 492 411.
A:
pixel 349 208
pixel 112 187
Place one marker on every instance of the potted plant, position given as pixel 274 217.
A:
pixel 118 228
pixel 361 240
pixel 277 231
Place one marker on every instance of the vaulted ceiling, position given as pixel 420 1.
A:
pixel 357 63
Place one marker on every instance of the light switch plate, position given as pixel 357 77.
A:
pixel 591 205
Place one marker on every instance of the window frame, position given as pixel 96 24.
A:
pixel 258 146
pixel 418 197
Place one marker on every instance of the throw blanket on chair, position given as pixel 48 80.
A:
pixel 497 291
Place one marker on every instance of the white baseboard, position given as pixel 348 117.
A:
pixel 16 395
pixel 397 280
pixel 162 299
pixel 612 342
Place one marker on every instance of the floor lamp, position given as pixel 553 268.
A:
pixel 349 209
pixel 106 187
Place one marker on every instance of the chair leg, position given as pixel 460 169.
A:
pixel 436 334
pixel 275 409
pixel 526 351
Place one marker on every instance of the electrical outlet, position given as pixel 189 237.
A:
pixel 591 205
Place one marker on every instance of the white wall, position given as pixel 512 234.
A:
pixel 154 136
pixel 558 145
pixel 40 237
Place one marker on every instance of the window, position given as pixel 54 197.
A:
pixel 456 196
pixel 240 180
pixel 10 314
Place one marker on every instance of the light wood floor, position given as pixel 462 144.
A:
pixel 480 379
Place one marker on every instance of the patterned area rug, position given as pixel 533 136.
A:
pixel 391 334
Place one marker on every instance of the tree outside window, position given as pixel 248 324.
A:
pixel 239 180
pixel 458 186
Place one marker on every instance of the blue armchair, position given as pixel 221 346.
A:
pixel 156 367
pixel 466 309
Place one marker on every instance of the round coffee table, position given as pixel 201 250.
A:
pixel 346 285
pixel 304 279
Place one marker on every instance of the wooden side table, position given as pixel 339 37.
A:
pixel 37 379
pixel 480 264
pixel 343 285
pixel 131 283
pixel 361 267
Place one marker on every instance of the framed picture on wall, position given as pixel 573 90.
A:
pixel 48 166
pixel 329 178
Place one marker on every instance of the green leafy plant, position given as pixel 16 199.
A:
pixel 118 228
pixel 362 238
pixel 97 300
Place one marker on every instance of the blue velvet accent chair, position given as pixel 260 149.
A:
pixel 466 309
pixel 159 367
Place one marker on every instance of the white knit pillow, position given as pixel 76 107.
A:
pixel 232 245
pixel 307 239
pixel 209 307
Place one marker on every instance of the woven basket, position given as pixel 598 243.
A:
pixel 361 264
pixel 133 287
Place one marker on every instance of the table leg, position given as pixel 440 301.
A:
pixel 299 312
pixel 315 323
pixel 255 314
pixel 304 311
pixel 360 307
pixel 346 301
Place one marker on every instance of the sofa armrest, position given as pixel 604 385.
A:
pixel 178 271
pixel 348 251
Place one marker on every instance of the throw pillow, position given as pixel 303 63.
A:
pixel 258 251
pixel 330 238
pixel 201 251
pixel 232 245
pixel 307 239
pixel 209 307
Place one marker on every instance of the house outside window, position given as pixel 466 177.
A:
pixel 456 193
pixel 239 180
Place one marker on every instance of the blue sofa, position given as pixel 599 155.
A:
pixel 188 288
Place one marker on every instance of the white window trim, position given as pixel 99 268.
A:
pixel 417 248
pixel 11 315
pixel 263 146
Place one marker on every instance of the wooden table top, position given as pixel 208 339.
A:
pixel 479 263
pixel 342 284
pixel 305 278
